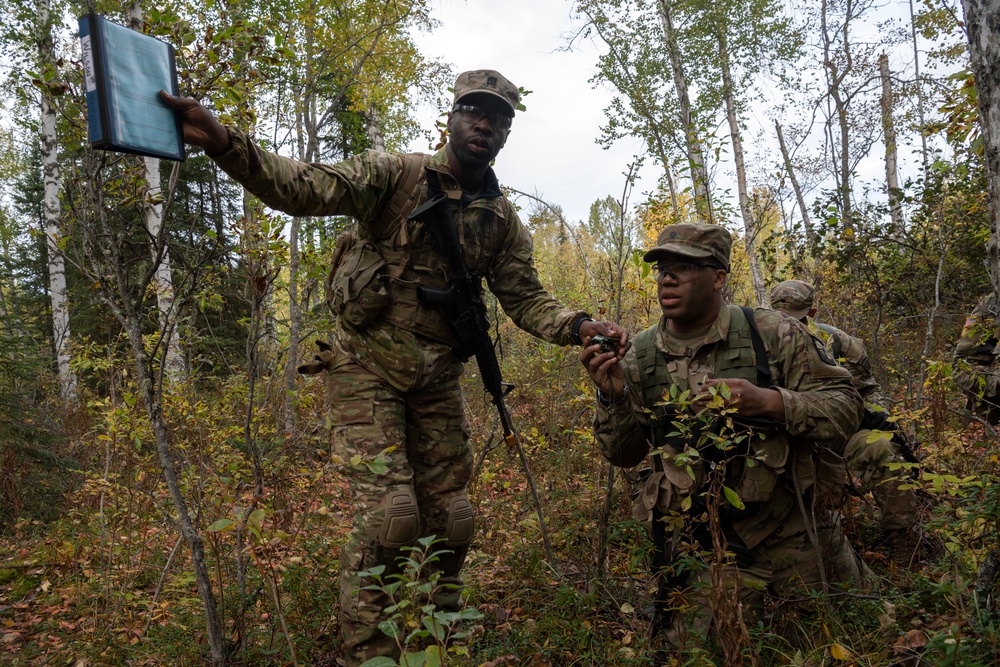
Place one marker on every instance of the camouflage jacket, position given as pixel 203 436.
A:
pixel 850 352
pixel 496 245
pixel 979 338
pixel 821 406
pixel 979 377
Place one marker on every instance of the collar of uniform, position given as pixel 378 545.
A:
pixel 719 330
pixel 489 190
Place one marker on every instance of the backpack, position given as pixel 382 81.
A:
pixel 355 289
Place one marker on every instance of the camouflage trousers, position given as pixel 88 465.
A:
pixel 868 458
pixel 784 566
pixel 415 464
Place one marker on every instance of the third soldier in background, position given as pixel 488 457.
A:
pixel 869 455
pixel 979 378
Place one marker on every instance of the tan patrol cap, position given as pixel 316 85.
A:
pixel 794 297
pixel 693 240
pixel 490 82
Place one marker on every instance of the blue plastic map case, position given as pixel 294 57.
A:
pixel 125 71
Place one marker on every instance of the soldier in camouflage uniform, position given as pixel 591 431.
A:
pixel 868 456
pixel 807 403
pixel 393 366
pixel 978 374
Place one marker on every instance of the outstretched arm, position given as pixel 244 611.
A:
pixel 201 127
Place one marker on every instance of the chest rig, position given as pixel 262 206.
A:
pixel 742 355
pixel 407 257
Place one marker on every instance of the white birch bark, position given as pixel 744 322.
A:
pixel 163 279
pixel 835 80
pixel 163 283
pixel 889 132
pixel 53 229
pixel 376 138
pixel 920 92
pixel 982 18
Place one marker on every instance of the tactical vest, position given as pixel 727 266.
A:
pixel 743 356
pixel 401 256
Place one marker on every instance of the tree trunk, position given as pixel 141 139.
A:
pixel 154 410
pixel 641 107
pixel 835 78
pixel 696 158
pixel 749 226
pixel 810 233
pixel 889 130
pixel 294 328
pixel 53 231
pixel 982 18
pixel 163 283
pixel 920 92
pixel 376 138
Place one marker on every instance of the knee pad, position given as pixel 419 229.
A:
pixel 401 525
pixel 459 529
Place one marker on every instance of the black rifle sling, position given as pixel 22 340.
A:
pixel 450 246
pixel 761 360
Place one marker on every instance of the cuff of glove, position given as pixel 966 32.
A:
pixel 575 335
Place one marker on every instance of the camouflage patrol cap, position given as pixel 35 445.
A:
pixel 489 82
pixel 693 240
pixel 794 297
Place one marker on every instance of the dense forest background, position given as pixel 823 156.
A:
pixel 167 492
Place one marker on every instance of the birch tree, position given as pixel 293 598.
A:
pixel 982 18
pixel 44 42
pixel 695 150
pixel 800 199
pixel 852 121
pixel 889 139
pixel 163 284
pixel 644 64
pixel 731 45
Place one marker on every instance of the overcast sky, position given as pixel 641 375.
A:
pixel 551 150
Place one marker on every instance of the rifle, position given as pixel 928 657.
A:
pixel 465 311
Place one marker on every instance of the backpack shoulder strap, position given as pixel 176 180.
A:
pixel 644 343
pixel 405 196
pixel 761 360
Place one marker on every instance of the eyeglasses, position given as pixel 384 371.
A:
pixel 475 114
pixel 679 270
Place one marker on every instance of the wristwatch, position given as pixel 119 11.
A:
pixel 605 401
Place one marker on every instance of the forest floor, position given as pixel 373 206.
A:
pixel 106 580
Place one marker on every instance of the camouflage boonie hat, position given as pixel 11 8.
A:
pixel 489 82
pixel 794 297
pixel 693 240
